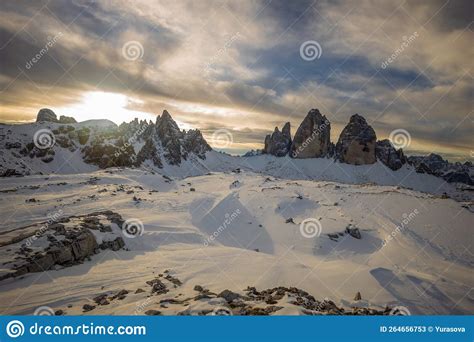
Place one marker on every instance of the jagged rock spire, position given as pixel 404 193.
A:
pixel 279 143
pixel 356 144
pixel 312 139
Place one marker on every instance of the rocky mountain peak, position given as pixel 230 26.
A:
pixel 278 143
pixel 47 115
pixel 312 139
pixel 356 144
pixel 387 154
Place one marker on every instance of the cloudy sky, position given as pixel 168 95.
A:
pixel 242 66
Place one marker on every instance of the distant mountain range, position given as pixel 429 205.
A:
pixel 53 145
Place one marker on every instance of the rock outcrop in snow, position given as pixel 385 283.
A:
pixel 435 165
pixel 101 143
pixel 47 115
pixel 356 144
pixel 278 143
pixel 312 139
pixel 388 155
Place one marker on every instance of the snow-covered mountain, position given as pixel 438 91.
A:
pixel 145 218
pixel 129 241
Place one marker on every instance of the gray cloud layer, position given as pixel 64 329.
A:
pixel 236 64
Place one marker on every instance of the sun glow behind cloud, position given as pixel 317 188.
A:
pixel 112 106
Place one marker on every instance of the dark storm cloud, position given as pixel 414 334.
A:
pixel 243 59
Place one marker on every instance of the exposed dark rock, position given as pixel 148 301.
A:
pixel 228 295
pixel 88 307
pixel 435 165
pixel 10 145
pixel 158 287
pixel 46 115
pixel 152 313
pixel 353 231
pixel 388 155
pixel 278 143
pixel 76 244
pixel 356 144
pixel 194 142
pixel 170 137
pixel 149 151
pixel 312 139
pixel 67 119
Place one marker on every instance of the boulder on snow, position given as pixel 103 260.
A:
pixel 67 119
pixel 354 232
pixel 46 115
pixel 356 144
pixel 312 139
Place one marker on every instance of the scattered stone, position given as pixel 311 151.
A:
pixel 198 288
pixel 152 313
pixel 358 296
pixel 228 295
pixel 174 280
pixel 88 307
pixel 353 231
pixel 120 295
pixel 157 286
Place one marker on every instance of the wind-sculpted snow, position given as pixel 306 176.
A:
pixel 203 241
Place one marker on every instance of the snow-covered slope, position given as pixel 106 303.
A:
pixel 231 230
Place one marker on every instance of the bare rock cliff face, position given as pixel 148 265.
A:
pixel 387 154
pixel 356 144
pixel 312 139
pixel 278 143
